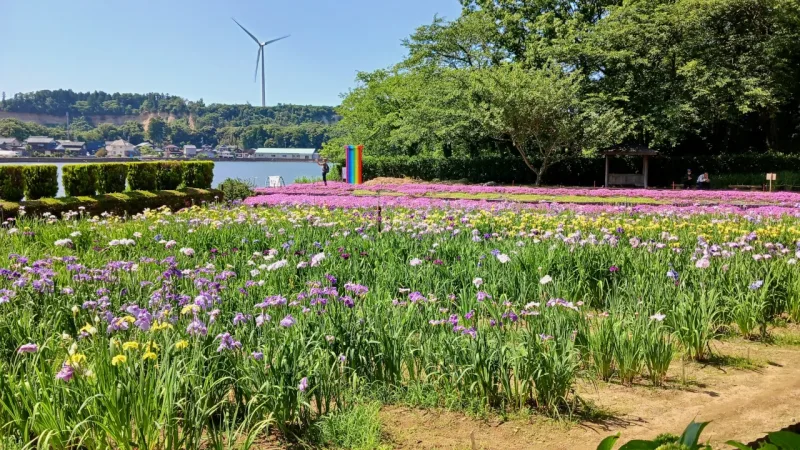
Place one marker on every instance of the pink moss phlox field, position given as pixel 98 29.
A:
pixel 340 195
pixel 676 196
pixel 351 201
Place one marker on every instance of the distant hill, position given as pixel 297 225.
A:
pixel 51 107
pixel 101 116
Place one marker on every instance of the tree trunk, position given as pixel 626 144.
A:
pixel 542 169
pixel 527 162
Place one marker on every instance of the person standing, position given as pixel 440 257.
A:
pixel 325 169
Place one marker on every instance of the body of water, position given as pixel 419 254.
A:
pixel 255 171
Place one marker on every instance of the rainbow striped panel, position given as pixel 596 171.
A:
pixel 353 164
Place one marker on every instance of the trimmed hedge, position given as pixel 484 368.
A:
pixel 143 176
pixel 79 179
pixel 41 181
pixel 576 171
pixel 112 177
pixel 132 202
pixel 170 174
pixel 198 174
pixel 12 183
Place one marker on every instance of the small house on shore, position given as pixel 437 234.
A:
pixel 121 149
pixel 42 144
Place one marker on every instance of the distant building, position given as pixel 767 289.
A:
pixel 172 150
pixel 10 143
pixel 226 151
pixel 288 154
pixel 73 147
pixel 93 146
pixel 244 152
pixel 42 144
pixel 189 151
pixel 121 149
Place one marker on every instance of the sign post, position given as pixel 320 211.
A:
pixel 771 177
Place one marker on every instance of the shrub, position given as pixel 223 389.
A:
pixel 198 174
pixel 170 175
pixel 40 181
pixel 79 179
pixel 111 178
pixel 12 183
pixel 143 176
pixel 236 189
pixel 132 202
pixel 584 171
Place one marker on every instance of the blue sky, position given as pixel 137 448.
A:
pixel 192 48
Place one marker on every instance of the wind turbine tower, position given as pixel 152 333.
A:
pixel 260 55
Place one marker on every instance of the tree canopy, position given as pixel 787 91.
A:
pixel 681 76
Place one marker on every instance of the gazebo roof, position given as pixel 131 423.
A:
pixel 629 150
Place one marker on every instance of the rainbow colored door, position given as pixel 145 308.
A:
pixel 353 159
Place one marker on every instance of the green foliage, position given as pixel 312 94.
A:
pixel 131 202
pixel 198 174
pixel 357 427
pixel 156 130
pixel 169 174
pixel 576 170
pixel 539 111
pixel 40 181
pixel 102 153
pixel 691 77
pixel 236 189
pixel 12 183
pixel 689 440
pixel 79 179
pixel 143 176
pixel 112 178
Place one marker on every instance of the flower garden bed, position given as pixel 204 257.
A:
pixel 224 324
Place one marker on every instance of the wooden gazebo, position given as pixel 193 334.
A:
pixel 626 179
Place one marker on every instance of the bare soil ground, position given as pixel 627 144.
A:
pixel 750 389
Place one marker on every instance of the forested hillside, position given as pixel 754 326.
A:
pixel 168 118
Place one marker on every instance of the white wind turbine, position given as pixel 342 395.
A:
pixel 260 56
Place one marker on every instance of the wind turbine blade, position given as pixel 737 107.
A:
pixel 245 30
pixel 258 56
pixel 276 40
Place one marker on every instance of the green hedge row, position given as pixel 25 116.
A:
pixel 575 171
pixel 41 180
pixel 142 176
pixel 12 185
pixel 131 202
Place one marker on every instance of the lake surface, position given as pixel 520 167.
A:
pixel 254 171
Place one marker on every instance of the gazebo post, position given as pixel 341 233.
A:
pixel 645 168
pixel 606 184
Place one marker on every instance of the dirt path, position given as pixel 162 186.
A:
pixel 742 403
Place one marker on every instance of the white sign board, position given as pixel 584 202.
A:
pixel 771 177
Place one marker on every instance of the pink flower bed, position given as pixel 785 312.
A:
pixel 349 201
pixel 676 196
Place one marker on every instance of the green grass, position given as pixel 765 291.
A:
pixel 358 427
pixel 737 362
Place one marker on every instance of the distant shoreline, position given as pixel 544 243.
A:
pixel 118 160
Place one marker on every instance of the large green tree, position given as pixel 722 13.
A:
pixel 156 130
